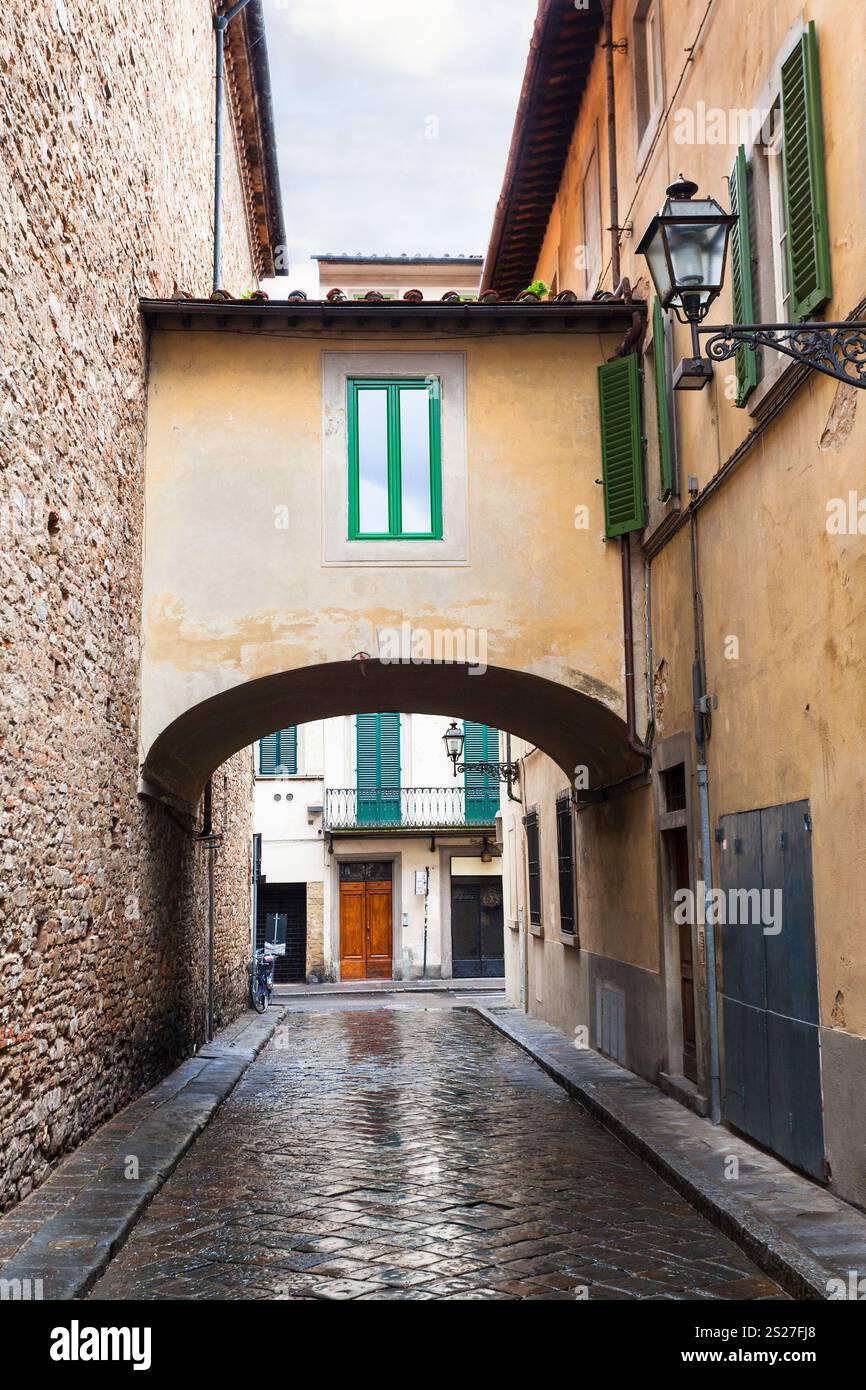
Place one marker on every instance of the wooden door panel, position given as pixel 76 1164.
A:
pixel 378 911
pixel 352 931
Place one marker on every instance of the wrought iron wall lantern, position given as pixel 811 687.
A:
pixel 685 247
pixel 453 738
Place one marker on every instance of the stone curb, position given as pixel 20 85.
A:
pixel 71 1249
pixel 766 1243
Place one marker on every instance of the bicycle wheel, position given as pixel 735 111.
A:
pixel 258 995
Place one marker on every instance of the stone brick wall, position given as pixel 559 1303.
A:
pixel 105 195
pixel 316 931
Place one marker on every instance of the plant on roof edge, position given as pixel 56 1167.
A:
pixel 539 287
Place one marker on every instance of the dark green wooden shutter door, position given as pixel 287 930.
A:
pixel 278 752
pixel 621 445
pixel 481 745
pixel 805 189
pixel 666 447
pixel 378 758
pixel 389 766
pixel 741 275
pixel 268 752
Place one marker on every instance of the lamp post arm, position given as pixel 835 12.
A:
pixel 836 349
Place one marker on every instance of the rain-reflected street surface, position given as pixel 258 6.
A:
pixel 400 1148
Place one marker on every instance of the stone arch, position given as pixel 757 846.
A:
pixel 571 726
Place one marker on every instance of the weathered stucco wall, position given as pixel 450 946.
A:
pixel 784 597
pixel 617 938
pixel 236 441
pixel 105 195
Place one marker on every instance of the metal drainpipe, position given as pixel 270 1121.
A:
pixel 509 792
pixel 634 742
pixel 607 6
pixel 699 686
pixel 206 833
pixel 220 24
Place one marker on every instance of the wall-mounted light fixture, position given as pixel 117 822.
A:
pixel 685 246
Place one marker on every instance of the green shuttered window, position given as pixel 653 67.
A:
pixel 278 753
pixel 378 761
pixel 804 182
pixel 565 863
pixel 745 363
pixel 481 745
pixel 621 445
pixel 395 464
pixel 663 404
pixel 533 867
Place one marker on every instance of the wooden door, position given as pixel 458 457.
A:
pixel 366 951
pixel 678 844
pixel 353 957
pixel 378 938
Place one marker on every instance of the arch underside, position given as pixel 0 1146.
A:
pixel 571 727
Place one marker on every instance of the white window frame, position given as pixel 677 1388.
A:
pixel 778 225
pixel 337 548
pixel 648 73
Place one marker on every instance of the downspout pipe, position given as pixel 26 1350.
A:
pixel 634 743
pixel 206 834
pixel 221 22
pixel 607 9
pixel 702 728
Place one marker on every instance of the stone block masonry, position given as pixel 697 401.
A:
pixel 315 963
pixel 105 196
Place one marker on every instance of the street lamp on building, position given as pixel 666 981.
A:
pixel 685 246
pixel 454 738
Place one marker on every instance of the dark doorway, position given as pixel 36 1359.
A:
pixel 676 844
pixel 770 983
pixel 477 942
pixel 281 922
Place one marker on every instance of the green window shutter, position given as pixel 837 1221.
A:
pixel 808 239
pixel 278 752
pixel 621 445
pixel 745 362
pixel 481 745
pixel 666 444
pixel 378 759
pixel 268 754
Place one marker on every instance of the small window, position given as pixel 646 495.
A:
pixel 278 753
pixel 533 864
pixel 778 222
pixel 395 481
pixel 565 859
pixel 591 204
pixel 647 65
pixel 675 788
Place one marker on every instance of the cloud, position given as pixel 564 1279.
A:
pixel 393 119
pixel 409 37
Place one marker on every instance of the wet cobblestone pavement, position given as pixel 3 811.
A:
pixel 398 1151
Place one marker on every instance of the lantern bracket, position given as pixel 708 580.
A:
pixel 836 349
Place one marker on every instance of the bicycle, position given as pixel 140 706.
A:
pixel 261 979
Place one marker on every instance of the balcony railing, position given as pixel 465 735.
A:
pixel 409 808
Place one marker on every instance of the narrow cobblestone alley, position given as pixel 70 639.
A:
pixel 404 1150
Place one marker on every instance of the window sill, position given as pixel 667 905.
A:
pixel 570 938
pixel 536 929
pixel 783 376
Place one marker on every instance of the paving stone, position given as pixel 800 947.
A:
pixel 415 1154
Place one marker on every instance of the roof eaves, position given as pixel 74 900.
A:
pixel 543 125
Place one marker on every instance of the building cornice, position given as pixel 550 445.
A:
pixel 248 87
pixel 561 52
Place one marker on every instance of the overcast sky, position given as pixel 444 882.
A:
pixel 393 120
